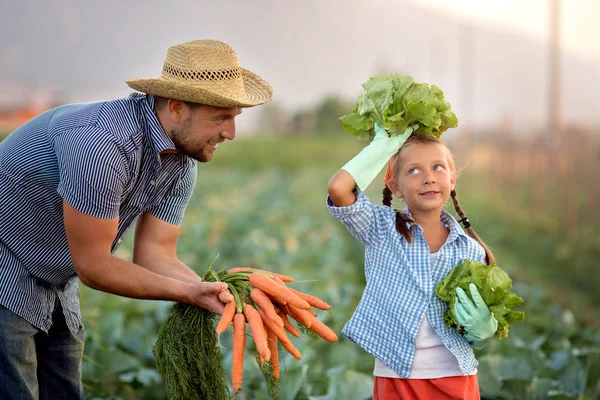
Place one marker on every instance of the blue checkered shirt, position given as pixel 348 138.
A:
pixel 103 159
pixel 400 283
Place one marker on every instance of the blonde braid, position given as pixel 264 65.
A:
pixel 470 231
pixel 401 218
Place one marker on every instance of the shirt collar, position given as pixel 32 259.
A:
pixel 447 220
pixel 159 137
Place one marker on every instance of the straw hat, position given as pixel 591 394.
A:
pixel 206 72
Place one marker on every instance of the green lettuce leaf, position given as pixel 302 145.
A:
pixel 494 286
pixel 396 102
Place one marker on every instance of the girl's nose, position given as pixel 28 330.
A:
pixel 429 178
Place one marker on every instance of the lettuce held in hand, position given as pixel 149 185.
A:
pixel 396 102
pixel 493 285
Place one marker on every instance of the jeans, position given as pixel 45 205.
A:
pixel 36 365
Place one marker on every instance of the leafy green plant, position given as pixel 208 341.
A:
pixel 395 102
pixel 494 286
pixel 275 217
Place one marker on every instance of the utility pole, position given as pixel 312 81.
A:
pixel 466 69
pixel 554 101
pixel 562 149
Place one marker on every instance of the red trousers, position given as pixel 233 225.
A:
pixel 450 388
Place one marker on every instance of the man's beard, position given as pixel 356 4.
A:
pixel 181 139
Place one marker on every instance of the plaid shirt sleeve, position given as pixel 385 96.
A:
pixel 92 169
pixel 173 205
pixel 482 256
pixel 361 218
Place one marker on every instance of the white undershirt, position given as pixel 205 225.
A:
pixel 432 358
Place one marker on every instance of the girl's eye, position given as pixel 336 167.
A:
pixel 413 171
pixel 438 167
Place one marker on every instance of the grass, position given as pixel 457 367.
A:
pixel 532 248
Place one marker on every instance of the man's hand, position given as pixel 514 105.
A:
pixel 211 296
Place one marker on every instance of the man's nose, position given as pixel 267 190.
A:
pixel 229 131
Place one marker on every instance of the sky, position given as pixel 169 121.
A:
pixel 85 50
pixel 579 19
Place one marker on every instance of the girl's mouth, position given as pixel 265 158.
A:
pixel 430 194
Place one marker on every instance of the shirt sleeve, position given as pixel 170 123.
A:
pixel 361 218
pixel 92 170
pixel 172 207
pixel 481 254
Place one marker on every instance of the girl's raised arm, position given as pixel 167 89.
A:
pixel 362 169
pixel 341 189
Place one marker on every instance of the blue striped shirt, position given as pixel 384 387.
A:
pixel 103 159
pixel 400 280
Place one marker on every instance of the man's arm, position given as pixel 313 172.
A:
pixel 90 241
pixel 155 249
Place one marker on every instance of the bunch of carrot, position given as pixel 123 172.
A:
pixel 265 301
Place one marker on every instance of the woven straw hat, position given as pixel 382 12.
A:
pixel 206 72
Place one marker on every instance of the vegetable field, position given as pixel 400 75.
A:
pixel 261 204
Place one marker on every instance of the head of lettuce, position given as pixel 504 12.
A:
pixel 494 286
pixel 395 102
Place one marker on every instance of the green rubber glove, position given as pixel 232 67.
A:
pixel 474 316
pixel 371 160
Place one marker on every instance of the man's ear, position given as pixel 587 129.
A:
pixel 175 109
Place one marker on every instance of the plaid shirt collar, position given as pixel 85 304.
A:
pixel 448 221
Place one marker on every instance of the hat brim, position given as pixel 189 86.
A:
pixel 257 91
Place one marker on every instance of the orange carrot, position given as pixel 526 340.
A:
pixel 279 280
pixel 312 300
pixel 302 316
pixel 263 301
pixel 276 299
pixel 272 326
pixel 272 340
pixel 288 345
pixel 267 285
pixel 323 330
pixel 312 312
pixel 280 333
pixel 285 278
pixel 258 332
pixel 226 318
pixel 287 324
pixel 237 353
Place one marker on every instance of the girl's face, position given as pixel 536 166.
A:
pixel 424 177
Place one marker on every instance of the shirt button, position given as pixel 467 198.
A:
pixel 153 182
pixel 120 241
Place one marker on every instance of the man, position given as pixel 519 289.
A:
pixel 75 178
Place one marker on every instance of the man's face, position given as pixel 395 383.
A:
pixel 202 129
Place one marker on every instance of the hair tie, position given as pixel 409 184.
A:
pixel 465 222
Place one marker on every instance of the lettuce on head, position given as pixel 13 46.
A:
pixel 396 102
pixel 493 285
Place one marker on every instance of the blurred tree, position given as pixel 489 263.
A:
pixel 323 118
pixel 328 112
pixel 274 119
pixel 303 122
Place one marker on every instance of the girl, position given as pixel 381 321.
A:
pixel 407 253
